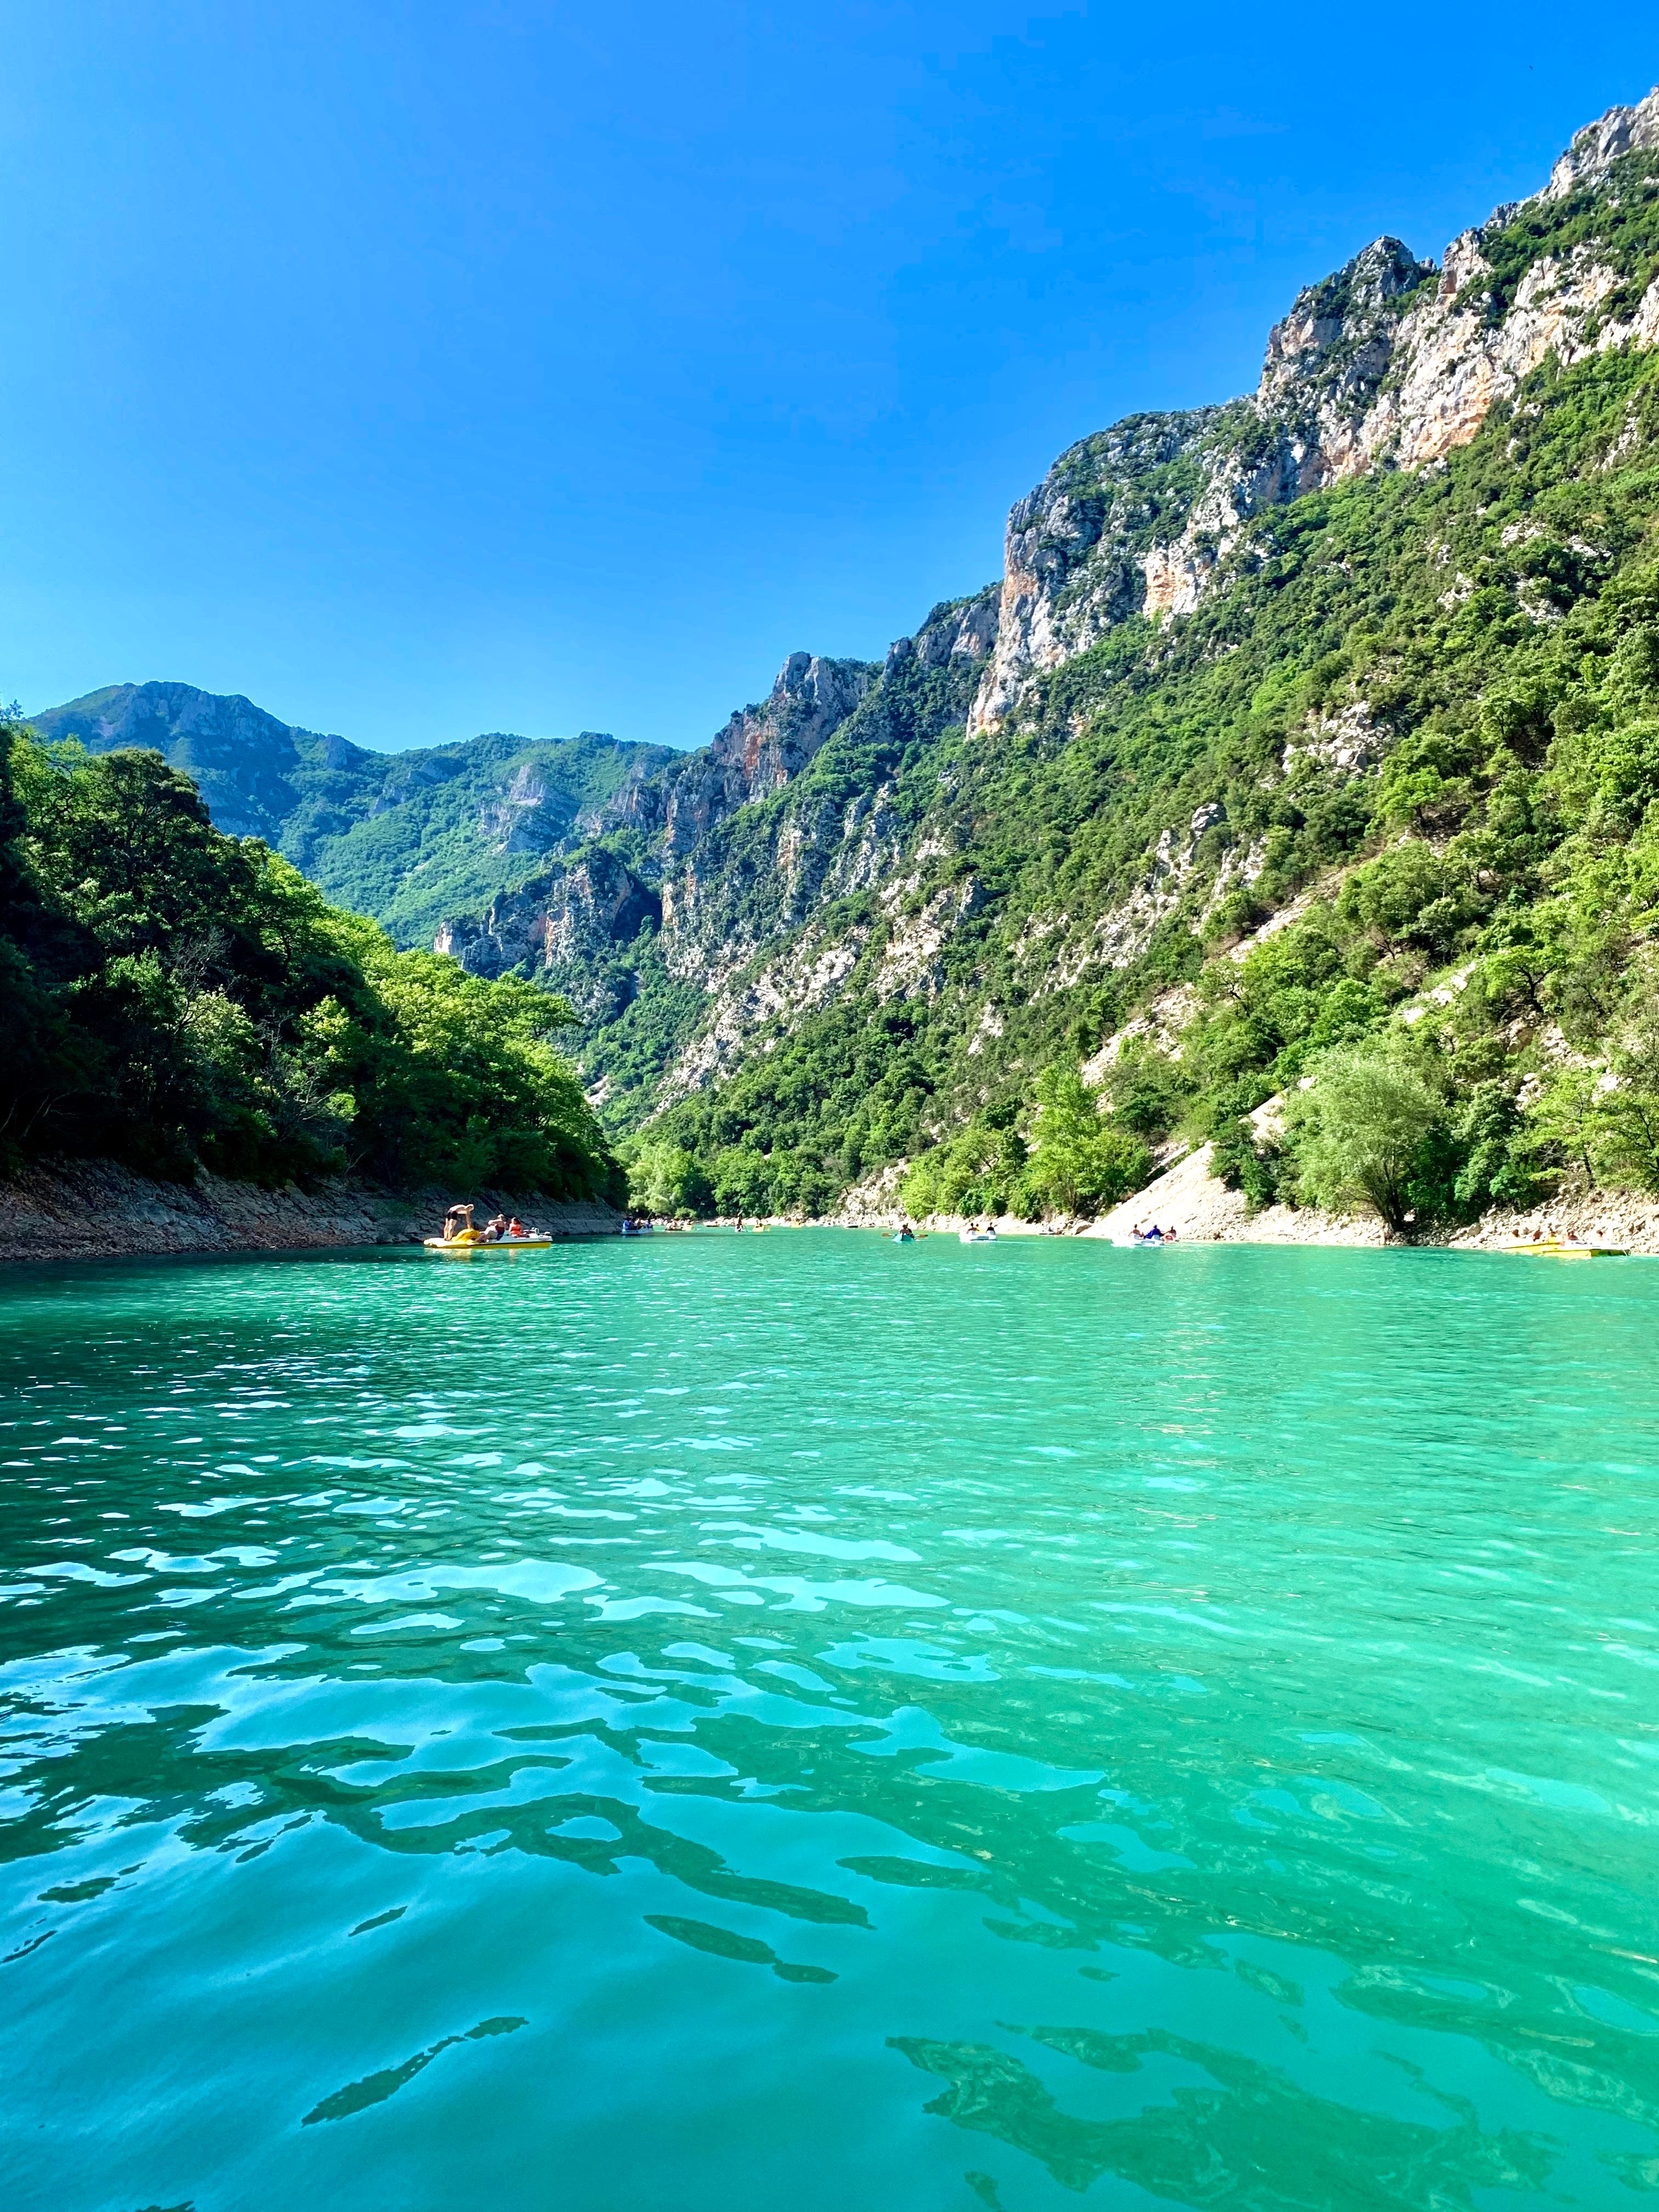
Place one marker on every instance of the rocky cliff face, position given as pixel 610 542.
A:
pixel 722 899
pixel 1391 361
pixel 713 903
pixel 762 747
pixel 562 927
pixel 1595 149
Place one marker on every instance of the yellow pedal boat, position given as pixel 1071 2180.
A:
pixel 1554 1247
pixel 464 1247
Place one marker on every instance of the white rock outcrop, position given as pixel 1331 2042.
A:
pixel 1391 361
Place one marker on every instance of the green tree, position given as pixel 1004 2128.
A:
pixel 1079 1163
pixel 1238 1162
pixel 665 1180
pixel 979 1170
pixel 1363 1133
pixel 179 999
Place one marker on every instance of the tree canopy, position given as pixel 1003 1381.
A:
pixel 179 999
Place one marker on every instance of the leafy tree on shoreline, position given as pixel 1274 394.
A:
pixel 1366 1134
pixel 1079 1163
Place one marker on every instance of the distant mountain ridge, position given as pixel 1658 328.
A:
pixel 408 837
pixel 418 838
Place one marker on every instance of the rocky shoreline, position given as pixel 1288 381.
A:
pixel 96 1210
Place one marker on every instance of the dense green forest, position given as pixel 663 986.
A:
pixel 178 999
pixel 1469 996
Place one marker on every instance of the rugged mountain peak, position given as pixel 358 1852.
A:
pixel 562 927
pixel 963 630
pixel 1340 332
pixel 763 747
pixel 819 686
pixel 1599 144
pixel 1376 365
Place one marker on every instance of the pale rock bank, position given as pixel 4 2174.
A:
pixel 1187 1199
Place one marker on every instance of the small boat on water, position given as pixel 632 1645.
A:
pixel 977 1236
pixel 1567 1247
pixel 461 1239
pixel 466 1247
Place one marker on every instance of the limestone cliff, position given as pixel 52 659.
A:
pixel 761 748
pixel 561 928
pixel 1391 362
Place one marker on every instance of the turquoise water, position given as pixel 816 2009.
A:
pixel 717 1722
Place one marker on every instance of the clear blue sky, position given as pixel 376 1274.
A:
pixel 419 369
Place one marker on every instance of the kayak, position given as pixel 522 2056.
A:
pixel 1554 1248
pixel 457 1249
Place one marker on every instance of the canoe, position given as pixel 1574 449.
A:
pixel 1554 1248
pixel 455 1250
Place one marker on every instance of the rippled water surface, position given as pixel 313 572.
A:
pixel 721 1722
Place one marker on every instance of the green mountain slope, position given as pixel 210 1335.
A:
pixel 1303 753
pixel 406 837
pixel 1375 653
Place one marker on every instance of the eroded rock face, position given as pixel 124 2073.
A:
pixel 1390 362
pixel 1075 548
pixel 1598 145
pixel 564 926
pixel 762 747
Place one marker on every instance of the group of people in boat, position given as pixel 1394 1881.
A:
pixel 458 1227
pixel 1154 1235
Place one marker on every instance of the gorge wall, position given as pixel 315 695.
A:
pixel 887 894
pixel 847 868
